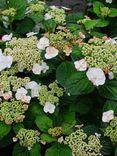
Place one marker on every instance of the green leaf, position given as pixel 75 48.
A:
pixel 90 24
pixel 23 151
pixel 107 147
pixel 43 123
pixel 75 83
pixel 76 53
pixel 116 151
pixel 3 4
pixel 4 129
pixel 64 71
pixel 17 127
pixel 102 23
pixel 20 5
pixel 110 105
pixel 82 105
pixel 69 117
pixel 48 138
pixel 96 7
pixel 67 128
pixel 49 25
pixel 58 150
pixel 36 17
pixel 78 84
pixel 25 26
pixel 109 90
pixel 113 12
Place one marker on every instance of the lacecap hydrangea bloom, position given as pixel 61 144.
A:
pixel 83 145
pixel 27 137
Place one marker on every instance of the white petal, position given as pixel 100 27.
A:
pixel 96 76
pixel 31 85
pixel 31 34
pixel 49 108
pixel 47 16
pixel 43 43
pixel 37 68
pixel 108 116
pixel 7 37
pixel 81 65
pixel 9 61
pixel 51 52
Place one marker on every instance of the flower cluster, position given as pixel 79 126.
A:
pixel 83 145
pixel 50 94
pixel 100 53
pixel 11 12
pixel 38 7
pixel 24 52
pixel 12 111
pixel 57 14
pixel 111 130
pixel 27 137
pixel 56 131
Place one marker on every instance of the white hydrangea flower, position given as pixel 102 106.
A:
pixel 31 34
pixel 81 65
pixel 35 91
pixel 47 16
pixel 108 116
pixel 96 76
pixel 49 108
pixel 43 43
pixel 5 61
pixel 45 67
pixel 7 95
pixel 109 1
pixel 51 52
pixel 6 38
pixel 37 68
pixel 8 61
pixel 31 85
pixel 110 75
pixel 25 99
pixel 20 92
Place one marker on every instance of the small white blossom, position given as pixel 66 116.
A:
pixel 111 40
pixel 47 16
pixel 97 135
pixel 6 38
pixel 51 52
pixel 43 43
pixel 20 92
pixel 96 76
pixel 35 91
pixel 5 61
pixel 60 140
pixel 108 116
pixel 7 95
pixel 37 69
pixel 49 108
pixel 45 67
pixel 25 99
pixel 109 1
pixel 81 65
pixel 31 85
pixel 110 75
pixel 31 34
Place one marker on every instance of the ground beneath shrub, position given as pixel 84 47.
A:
pixel 75 5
